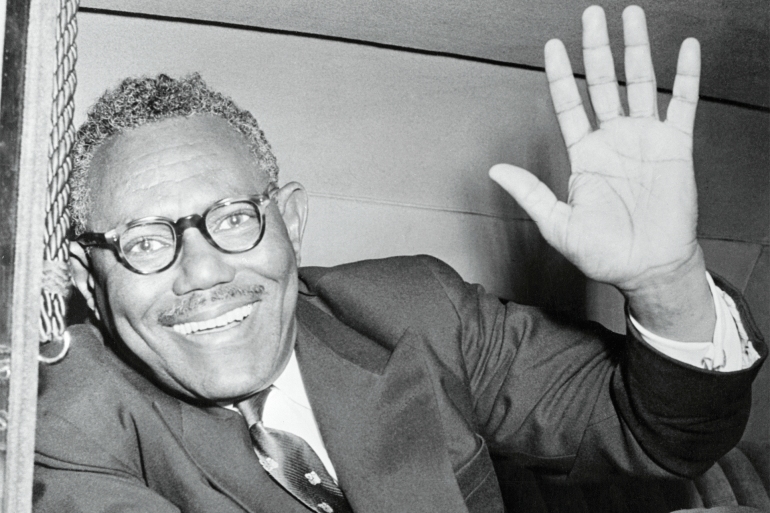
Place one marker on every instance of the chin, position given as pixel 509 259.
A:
pixel 226 391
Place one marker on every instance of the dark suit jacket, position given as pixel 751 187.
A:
pixel 414 377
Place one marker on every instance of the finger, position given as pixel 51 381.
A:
pixel 640 75
pixel 537 200
pixel 681 109
pixel 600 68
pixel 564 93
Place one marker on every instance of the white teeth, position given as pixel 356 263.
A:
pixel 235 315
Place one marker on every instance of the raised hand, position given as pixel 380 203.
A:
pixel 630 219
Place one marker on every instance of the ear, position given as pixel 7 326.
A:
pixel 81 275
pixel 291 200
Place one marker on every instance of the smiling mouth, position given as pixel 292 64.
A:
pixel 226 320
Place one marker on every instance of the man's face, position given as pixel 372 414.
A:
pixel 175 168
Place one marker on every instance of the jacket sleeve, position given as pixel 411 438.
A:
pixel 62 491
pixel 576 399
pixel 95 482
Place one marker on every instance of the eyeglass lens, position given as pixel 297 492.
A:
pixel 234 227
pixel 152 245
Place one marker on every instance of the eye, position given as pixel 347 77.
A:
pixel 235 220
pixel 145 246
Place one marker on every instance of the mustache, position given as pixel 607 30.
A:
pixel 184 307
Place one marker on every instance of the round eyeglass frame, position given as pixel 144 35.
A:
pixel 111 239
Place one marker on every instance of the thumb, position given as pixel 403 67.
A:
pixel 537 200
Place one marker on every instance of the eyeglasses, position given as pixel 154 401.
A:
pixel 152 244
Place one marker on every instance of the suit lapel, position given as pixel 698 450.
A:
pixel 378 417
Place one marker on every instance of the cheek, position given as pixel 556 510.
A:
pixel 123 296
pixel 274 257
pixel 131 298
pixel 129 309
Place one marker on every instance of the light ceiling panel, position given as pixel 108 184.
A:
pixel 733 35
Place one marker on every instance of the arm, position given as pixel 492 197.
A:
pixel 579 400
pixel 569 398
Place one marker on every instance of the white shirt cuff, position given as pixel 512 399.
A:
pixel 729 350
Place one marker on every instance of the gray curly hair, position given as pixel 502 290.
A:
pixel 141 101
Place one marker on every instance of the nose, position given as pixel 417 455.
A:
pixel 201 266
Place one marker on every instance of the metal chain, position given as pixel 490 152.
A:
pixel 56 277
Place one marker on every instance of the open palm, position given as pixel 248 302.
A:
pixel 632 211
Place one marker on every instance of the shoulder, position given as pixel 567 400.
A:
pixel 87 404
pixel 385 274
pixel 89 374
pixel 85 374
pixel 383 298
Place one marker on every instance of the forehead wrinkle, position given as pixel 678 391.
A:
pixel 175 180
pixel 165 161
pixel 212 173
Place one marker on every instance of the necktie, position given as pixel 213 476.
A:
pixel 291 462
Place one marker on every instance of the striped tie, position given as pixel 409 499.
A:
pixel 291 462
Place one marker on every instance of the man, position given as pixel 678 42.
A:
pixel 394 379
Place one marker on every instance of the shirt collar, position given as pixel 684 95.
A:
pixel 290 382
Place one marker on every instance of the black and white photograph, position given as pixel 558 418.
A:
pixel 415 256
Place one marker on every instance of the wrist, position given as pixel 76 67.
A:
pixel 676 305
